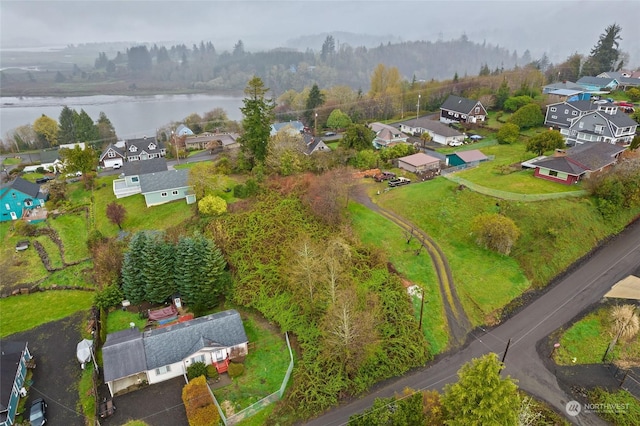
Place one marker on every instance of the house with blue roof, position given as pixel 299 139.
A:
pixel 131 357
pixel 296 127
pixel 22 199
pixel 183 130
pixel 597 84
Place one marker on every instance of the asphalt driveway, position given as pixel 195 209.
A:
pixel 57 372
pixel 159 404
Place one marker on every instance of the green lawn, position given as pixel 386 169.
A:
pixel 265 367
pixel 120 320
pixel 11 161
pixel 379 232
pixel 24 312
pixel 71 276
pixel 139 216
pixel 587 341
pixel 73 230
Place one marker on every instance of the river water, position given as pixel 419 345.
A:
pixel 131 116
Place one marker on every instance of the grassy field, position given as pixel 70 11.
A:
pixel 119 320
pixel 377 231
pixel 21 313
pixel 265 367
pixel 72 276
pixel 73 230
pixel 139 216
pixel 587 340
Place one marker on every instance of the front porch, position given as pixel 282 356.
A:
pixel 35 215
pixel 121 188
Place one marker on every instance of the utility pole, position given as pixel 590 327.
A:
pixel 418 109
pixel 421 307
pixel 315 126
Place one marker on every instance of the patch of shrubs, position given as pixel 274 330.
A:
pixel 235 369
pixel 196 369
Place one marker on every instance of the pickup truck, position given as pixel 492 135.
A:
pixel 399 182
pixel 384 176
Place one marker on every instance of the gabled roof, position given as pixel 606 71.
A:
pixel 434 126
pixel 580 105
pixel 28 188
pixel 49 155
pixel 471 155
pixel 183 130
pixel 582 158
pixel 114 148
pixel 313 144
pixel 142 144
pixel 143 167
pixel 620 119
pixel 419 159
pixel 564 85
pixel 123 355
pixel 174 343
pixel 161 181
pixel 458 104
pixel 297 125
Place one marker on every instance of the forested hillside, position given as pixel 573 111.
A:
pixel 201 68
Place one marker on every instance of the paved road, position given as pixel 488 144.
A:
pixel 581 288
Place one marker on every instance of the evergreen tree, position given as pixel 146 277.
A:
pixel 502 94
pixel 133 285
pixel 106 131
pixel 158 266
pixel 605 54
pixel 66 126
pixel 315 99
pixel 481 396
pixel 328 48
pixel 258 115
pixel 85 130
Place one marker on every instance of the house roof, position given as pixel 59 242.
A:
pixel 123 355
pixel 595 81
pixel 314 144
pixel 471 155
pixel 142 144
pixel 434 126
pixel 11 352
pixel 49 155
pixel 29 188
pixel 566 92
pixel 183 130
pixel 418 159
pixel 174 343
pixel 627 288
pixel 114 148
pixel 620 119
pixel 564 85
pixel 582 158
pixel 458 104
pixel 297 125
pixel 143 167
pixel 169 179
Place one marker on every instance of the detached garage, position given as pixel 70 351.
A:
pixel 419 163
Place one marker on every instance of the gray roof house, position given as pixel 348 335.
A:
pixel 129 183
pixel 296 127
pixel 596 84
pixel 571 165
pixel 163 187
pixel 561 114
pixel 314 144
pixel 387 135
pixel 607 124
pixel 439 132
pixel 562 85
pixel 626 79
pixel 131 357
pixel 462 110
pixel 14 358
pixel 144 148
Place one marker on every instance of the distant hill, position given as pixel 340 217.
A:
pixel 314 41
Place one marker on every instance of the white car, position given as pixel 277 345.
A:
pixel 455 143
pixel 117 166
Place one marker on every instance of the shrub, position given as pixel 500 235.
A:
pixel 235 370
pixel 109 296
pixel 198 403
pixel 212 372
pixel 95 237
pixel 25 229
pixel 196 369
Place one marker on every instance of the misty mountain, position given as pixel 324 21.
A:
pixel 314 41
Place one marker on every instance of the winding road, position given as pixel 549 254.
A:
pixel 583 286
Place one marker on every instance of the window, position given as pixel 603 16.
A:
pixel 554 117
pixel 553 173
pixel 163 194
pixel 581 125
pixel 7 206
pixel 135 179
pixel 111 154
pixel 163 370
pixel 199 358
pixel 133 148
pixel 456 115
pixel 151 147
pixel 174 192
pixel 599 128
pixel 574 112
pixel 566 111
pixel 477 110
pixel 553 109
pixel 13 195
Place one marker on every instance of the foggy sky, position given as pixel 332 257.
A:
pixel 558 28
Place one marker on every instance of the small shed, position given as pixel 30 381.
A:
pixel 418 163
pixel 472 157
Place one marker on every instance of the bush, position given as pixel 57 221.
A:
pixel 196 369
pixel 212 372
pixel 235 370
pixel 25 229
pixel 109 296
pixel 95 238
pixel 198 403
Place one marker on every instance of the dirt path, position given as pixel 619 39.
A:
pixel 457 321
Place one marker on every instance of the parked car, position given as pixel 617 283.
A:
pixel 38 412
pixel 399 182
pixel 384 176
pixel 117 166
pixel 329 133
pixel 455 143
pixel 43 179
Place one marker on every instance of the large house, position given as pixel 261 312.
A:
pixel 625 79
pixel 607 124
pixel 22 199
pixel 439 132
pixel 205 140
pixel 461 110
pixel 561 114
pixel 386 135
pixel 597 84
pixel 14 360
pixel 154 181
pixel 144 149
pixel 131 357
pixel 571 165
pixel 112 156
